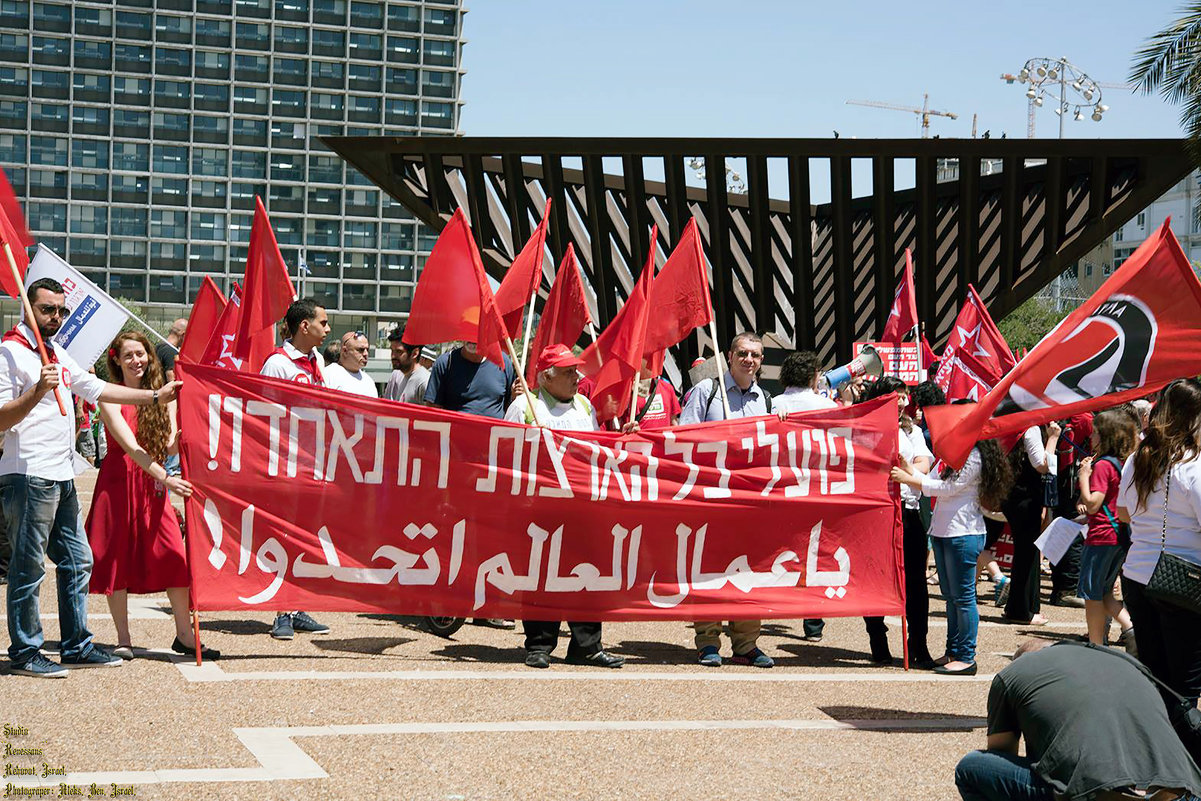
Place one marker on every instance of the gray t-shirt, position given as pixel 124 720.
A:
pixel 461 385
pixel 1092 721
pixel 407 388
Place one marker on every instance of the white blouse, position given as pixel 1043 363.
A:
pixel 1147 524
pixel 957 513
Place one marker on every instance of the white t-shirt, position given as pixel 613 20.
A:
pixel 574 415
pixel 279 365
pixel 957 513
pixel 42 444
pixel 912 446
pixel 1146 524
pixel 339 378
pixel 408 388
pixel 798 399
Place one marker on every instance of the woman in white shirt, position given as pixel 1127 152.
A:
pixel 1030 460
pixel 957 534
pixel 1160 496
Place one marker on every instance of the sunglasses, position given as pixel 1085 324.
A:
pixel 54 311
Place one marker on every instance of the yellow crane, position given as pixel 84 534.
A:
pixel 925 112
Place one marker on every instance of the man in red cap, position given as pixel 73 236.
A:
pixel 560 406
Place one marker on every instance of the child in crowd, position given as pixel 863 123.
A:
pixel 1115 434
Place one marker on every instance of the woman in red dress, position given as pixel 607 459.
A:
pixel 136 542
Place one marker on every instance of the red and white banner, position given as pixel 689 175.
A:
pixel 899 360
pixel 311 499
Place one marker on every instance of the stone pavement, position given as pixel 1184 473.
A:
pixel 379 708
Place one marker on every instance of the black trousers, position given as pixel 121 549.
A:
pixel 543 635
pixel 1025 516
pixel 1168 639
pixel 1065 576
pixel 6 550
pixel 917 592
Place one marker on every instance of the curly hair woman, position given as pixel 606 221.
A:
pixel 1160 495
pixel 136 542
pixel 957 533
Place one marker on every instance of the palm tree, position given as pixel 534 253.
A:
pixel 1170 63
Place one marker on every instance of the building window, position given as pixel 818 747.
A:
pixel 254 36
pixel 404 18
pixel 120 285
pixel 209 161
pixel 359 234
pixel 402 81
pixel 50 117
pixel 131 123
pixel 294 10
pixel 212 32
pixel 89 220
pixel 402 49
pixel 216 65
pixel 128 221
pixel 397 236
pixel 401 112
pixel 250 100
pixel 131 188
pixel 1117 235
pixel 328 74
pixel 133 58
pixel 250 164
pixel 47 217
pixel 135 91
pixel 173 94
pixel 1142 219
pixel 291 40
pixel 288 104
pixel 439 53
pixel 329 12
pixel 1106 269
pixel 437 115
pixel 365 77
pixel 173 29
pixel 47 183
pixel 168 224
pixel 440 22
pixel 327 106
pixel 250 133
pixel 208 225
pixel 323 233
pixel 251 68
pixel 171 159
pixel 90 154
pixel 329 43
pixel 133 156
pixel 210 129
pixel 1088 270
pixel 92 88
pixel 51 18
pixel 437 84
pixel 287 167
pixel 293 71
pixel 366 46
pixel 47 50
pixel 363 109
pixel 93 22
pixel 47 151
pixel 366 15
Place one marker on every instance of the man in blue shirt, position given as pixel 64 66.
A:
pixel 463 381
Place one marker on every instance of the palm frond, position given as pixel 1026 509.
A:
pixel 1166 49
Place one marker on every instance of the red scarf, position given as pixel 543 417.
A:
pixel 307 365
pixel 15 335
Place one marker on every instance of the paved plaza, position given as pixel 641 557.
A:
pixel 380 708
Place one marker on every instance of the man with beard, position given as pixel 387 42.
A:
pixel 37 483
pixel 409 377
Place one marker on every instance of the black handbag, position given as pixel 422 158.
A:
pixel 1050 488
pixel 1175 580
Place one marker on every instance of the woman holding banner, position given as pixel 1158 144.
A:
pixel 136 542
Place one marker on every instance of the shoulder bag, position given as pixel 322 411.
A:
pixel 1176 580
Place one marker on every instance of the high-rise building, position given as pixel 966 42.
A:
pixel 1183 204
pixel 138 133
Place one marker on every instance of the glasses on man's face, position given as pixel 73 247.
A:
pixel 54 311
pixel 748 354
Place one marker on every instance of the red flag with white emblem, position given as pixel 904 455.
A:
pixel 903 317
pixel 976 333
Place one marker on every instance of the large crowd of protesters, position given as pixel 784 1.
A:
pixel 1129 476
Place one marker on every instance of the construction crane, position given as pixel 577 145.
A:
pixel 925 112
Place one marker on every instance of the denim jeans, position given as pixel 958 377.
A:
pixel 43 520
pixel 999 776
pixel 956 561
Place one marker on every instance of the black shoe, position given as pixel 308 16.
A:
pixel 302 621
pixel 943 670
pixel 537 659
pixel 1067 599
pixel 923 664
pixel 205 653
pixel 880 653
pixel 598 659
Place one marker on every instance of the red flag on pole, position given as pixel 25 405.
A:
pixel 1135 334
pixel 976 332
pixel 522 279
pixel 267 289
pixel 453 300
pixel 565 314
pixel 615 359
pixel 220 349
pixel 679 297
pixel 902 319
pixel 206 313
pixel 13 285
pixel 12 209
pixel 928 356
pixel 968 378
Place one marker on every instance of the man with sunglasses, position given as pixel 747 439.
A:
pixel 348 374
pixel 747 399
pixel 37 485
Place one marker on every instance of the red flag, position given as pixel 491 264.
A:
pixel 967 377
pixel 206 313
pixel 1135 334
pixel 903 317
pixel 976 332
pixel 565 314
pixel 453 300
pixel 679 296
pixel 9 236
pixel 522 279
pixel 220 349
pixel 267 290
pixel 12 209
pixel 615 359
pixel 928 355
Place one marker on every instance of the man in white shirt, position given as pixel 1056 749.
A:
pixel 409 377
pixel 298 360
pixel 560 406
pixel 37 484
pixel 799 375
pixel 347 374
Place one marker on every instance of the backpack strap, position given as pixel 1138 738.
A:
pixel 649 396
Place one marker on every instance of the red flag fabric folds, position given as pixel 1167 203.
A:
pixel 15 234
pixel 453 300
pixel 220 348
pixel 902 319
pixel 267 290
pixel 565 314
pixel 206 313
pixel 679 296
pixel 976 332
pixel 1135 334
pixel 615 359
pixel 12 208
pixel 522 279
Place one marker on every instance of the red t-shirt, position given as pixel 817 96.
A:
pixel 1105 478
pixel 663 407
pixel 1080 429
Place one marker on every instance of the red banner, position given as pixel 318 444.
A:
pixel 899 359
pixel 316 500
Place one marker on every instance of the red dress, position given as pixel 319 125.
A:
pixel 134 534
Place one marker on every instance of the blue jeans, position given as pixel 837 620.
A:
pixel 956 561
pixel 43 520
pixel 999 776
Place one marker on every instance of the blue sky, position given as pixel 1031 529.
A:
pixel 701 68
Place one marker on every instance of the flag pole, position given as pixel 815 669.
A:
pixel 33 323
pixel 721 367
pixel 634 397
pixel 917 338
pixel 529 321
pixel 526 390
pixel 592 333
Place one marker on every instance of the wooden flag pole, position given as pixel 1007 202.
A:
pixel 592 333
pixel 529 323
pixel 196 636
pixel 634 398
pixel 33 323
pixel 528 397
pixel 721 368
pixel 917 337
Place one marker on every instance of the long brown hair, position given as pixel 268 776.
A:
pixel 1171 435
pixel 1117 432
pixel 154 422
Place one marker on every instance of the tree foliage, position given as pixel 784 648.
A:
pixel 1027 324
pixel 1170 63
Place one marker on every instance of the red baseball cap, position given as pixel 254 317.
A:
pixel 557 356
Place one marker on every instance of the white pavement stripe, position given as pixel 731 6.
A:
pixel 993 624
pixel 280 758
pixel 212 672
pixel 140 608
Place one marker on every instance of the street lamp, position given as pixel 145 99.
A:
pixel 1078 93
